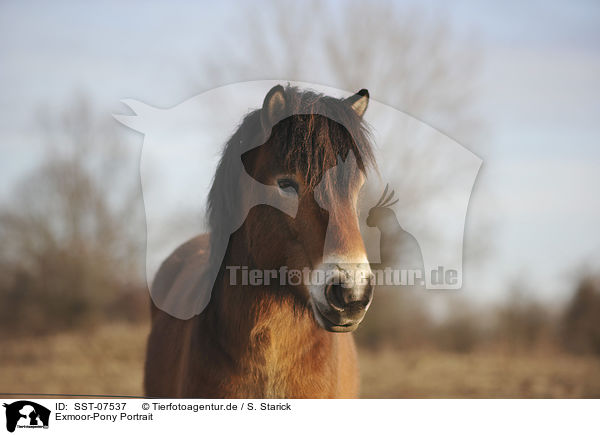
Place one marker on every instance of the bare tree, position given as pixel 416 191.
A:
pixel 406 60
pixel 73 233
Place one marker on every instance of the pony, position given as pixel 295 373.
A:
pixel 274 339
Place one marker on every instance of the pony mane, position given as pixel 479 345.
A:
pixel 315 131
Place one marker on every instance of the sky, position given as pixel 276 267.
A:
pixel 539 95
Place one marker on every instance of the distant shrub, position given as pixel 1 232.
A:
pixel 522 324
pixel 580 332
pixel 461 332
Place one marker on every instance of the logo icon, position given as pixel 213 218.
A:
pixel 26 414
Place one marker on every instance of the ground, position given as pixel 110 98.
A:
pixel 109 360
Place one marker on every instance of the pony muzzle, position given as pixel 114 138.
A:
pixel 342 302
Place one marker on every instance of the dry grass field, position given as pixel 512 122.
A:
pixel 109 361
pixel 433 374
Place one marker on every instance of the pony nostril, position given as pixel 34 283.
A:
pixel 335 295
pixel 342 297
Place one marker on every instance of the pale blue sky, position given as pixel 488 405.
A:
pixel 539 94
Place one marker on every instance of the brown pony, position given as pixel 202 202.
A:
pixel 268 341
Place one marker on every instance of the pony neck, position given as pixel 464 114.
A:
pixel 266 323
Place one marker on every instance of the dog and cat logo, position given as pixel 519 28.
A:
pixel 25 414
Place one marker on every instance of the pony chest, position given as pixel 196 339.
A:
pixel 287 368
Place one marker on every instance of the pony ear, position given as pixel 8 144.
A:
pixel 359 102
pixel 273 106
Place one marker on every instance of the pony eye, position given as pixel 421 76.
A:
pixel 286 183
